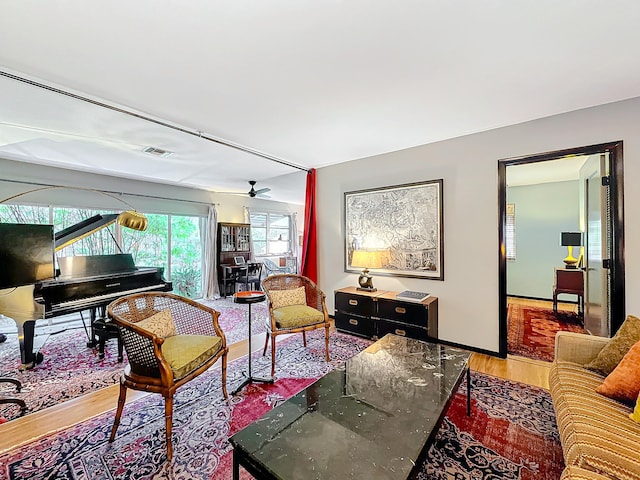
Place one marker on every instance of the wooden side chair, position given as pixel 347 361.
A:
pixel 169 341
pixel 296 304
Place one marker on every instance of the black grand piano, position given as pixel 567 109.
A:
pixel 83 283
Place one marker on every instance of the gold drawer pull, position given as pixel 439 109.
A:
pixel 402 333
pixel 401 310
pixel 353 302
pixel 353 321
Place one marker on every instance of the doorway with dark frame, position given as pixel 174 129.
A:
pixel 527 318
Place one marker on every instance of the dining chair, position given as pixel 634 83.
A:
pixel 250 276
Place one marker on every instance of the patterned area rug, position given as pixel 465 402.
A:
pixel 532 330
pixel 70 369
pixel 234 318
pixel 511 434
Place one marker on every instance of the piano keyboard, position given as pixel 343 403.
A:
pixel 98 299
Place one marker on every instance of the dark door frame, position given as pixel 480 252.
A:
pixel 616 212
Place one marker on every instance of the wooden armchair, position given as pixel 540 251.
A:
pixel 169 340
pixel 296 304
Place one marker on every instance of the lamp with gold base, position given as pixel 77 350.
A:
pixel 570 240
pixel 368 259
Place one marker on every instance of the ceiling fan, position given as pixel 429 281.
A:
pixel 257 193
pixel 260 193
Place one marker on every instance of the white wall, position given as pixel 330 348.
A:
pixel 468 296
pixel 542 212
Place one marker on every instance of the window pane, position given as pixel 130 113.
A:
pixel 270 233
pixel 259 248
pixel 186 256
pixel 99 242
pixel 24 214
pixel 149 248
pixel 510 231
pixel 258 220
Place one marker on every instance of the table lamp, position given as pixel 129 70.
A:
pixel 570 240
pixel 367 259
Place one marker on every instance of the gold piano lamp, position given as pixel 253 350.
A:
pixel 367 259
pixel 129 218
pixel 570 240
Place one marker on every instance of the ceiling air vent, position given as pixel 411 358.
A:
pixel 158 152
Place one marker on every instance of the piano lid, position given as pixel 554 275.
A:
pixel 82 229
pixel 93 265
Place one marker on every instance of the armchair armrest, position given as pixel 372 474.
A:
pixel 578 347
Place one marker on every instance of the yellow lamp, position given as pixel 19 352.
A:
pixel 368 259
pixel 570 240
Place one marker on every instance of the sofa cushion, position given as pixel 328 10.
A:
pixel 623 383
pixel 285 298
pixel 612 353
pixel 595 431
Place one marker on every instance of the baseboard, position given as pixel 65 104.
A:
pixel 525 297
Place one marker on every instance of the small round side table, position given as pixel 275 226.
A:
pixel 249 298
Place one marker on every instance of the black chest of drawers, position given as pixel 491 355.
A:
pixel 374 314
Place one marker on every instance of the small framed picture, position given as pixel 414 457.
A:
pixel 239 260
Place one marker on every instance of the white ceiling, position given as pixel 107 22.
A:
pixel 311 83
pixel 561 170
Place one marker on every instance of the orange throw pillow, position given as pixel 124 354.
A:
pixel 623 383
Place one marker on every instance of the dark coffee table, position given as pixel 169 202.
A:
pixel 371 419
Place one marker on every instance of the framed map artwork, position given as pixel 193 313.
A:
pixel 395 230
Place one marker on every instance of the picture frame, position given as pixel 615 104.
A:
pixel 239 260
pixel 395 230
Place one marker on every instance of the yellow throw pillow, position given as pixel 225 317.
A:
pixel 623 384
pixel 161 324
pixel 286 298
pixel 612 353
pixel 635 416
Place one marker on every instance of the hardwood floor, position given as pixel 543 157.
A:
pixel 69 413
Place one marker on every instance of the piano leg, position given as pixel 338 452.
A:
pixel 93 340
pixel 26 332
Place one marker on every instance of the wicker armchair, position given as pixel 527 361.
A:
pixel 169 340
pixel 296 304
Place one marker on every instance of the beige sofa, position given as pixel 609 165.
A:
pixel 599 440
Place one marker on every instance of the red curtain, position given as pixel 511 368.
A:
pixel 309 263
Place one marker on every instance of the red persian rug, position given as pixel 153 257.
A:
pixel 511 434
pixel 532 330
pixel 70 369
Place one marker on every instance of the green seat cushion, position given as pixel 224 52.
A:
pixel 185 353
pixel 294 316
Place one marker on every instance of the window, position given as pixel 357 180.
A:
pixel 511 231
pixel 270 233
pixel 172 242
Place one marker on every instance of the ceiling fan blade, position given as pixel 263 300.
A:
pixel 262 190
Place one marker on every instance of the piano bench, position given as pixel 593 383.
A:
pixel 104 330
